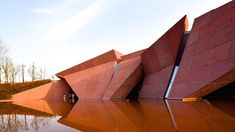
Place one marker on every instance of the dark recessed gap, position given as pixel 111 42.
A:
pixel 134 94
pixel 177 62
pixel 181 48
pixel 227 93
pixel 70 92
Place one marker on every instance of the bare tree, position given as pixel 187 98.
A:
pixel 14 70
pixel 22 72
pixel 0 73
pixel 3 51
pixel 32 72
pixel 53 77
pixel 7 62
pixel 42 73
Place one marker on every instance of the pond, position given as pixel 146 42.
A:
pixel 90 115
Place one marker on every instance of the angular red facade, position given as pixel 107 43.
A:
pixel 209 54
pixel 111 55
pixel 92 82
pixel 159 61
pixel 207 64
pixel 125 77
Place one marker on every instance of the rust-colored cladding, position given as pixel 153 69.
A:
pixel 132 55
pixel 209 54
pixel 126 75
pixel 159 60
pixel 51 91
pixel 111 55
pixel 92 82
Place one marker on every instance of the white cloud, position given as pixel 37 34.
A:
pixel 64 19
pixel 57 27
pixel 69 26
pixel 45 11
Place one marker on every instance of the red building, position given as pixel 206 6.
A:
pixel 205 57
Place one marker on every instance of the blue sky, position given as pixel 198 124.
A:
pixel 58 34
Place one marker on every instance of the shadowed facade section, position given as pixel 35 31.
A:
pixel 51 91
pixel 208 61
pixel 159 61
pixel 126 75
pixel 111 55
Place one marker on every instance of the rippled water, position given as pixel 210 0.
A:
pixel 87 115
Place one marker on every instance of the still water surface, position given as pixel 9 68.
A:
pixel 87 115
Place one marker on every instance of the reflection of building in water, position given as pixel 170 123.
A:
pixel 201 116
pixel 48 106
pixel 204 56
pixel 148 115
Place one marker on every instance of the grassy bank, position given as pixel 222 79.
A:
pixel 8 89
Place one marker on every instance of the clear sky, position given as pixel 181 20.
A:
pixel 61 33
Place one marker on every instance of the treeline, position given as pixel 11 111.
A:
pixel 11 72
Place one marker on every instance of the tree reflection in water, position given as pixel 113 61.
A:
pixel 15 122
pixel 15 118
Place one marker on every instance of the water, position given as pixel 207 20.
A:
pixel 87 115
